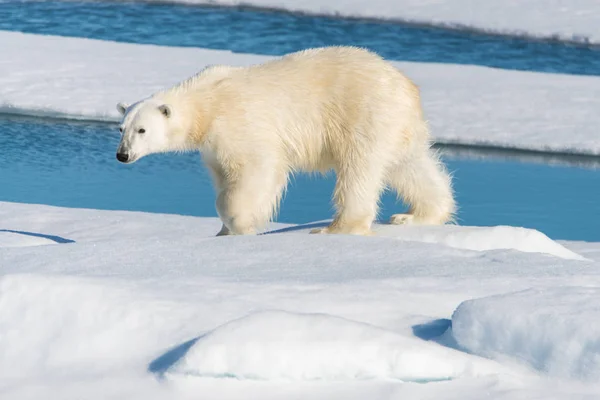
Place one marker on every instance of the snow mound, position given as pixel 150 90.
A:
pixel 482 238
pixel 554 330
pixel 275 345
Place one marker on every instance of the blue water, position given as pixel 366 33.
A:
pixel 73 164
pixel 275 33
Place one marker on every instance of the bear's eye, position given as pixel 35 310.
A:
pixel 121 129
pixel 142 130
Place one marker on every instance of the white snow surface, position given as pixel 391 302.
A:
pixel 569 20
pixel 149 306
pixel 555 330
pixel 84 79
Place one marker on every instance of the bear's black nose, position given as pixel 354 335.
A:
pixel 123 157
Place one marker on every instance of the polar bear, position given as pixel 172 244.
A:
pixel 334 108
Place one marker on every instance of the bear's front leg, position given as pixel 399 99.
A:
pixel 220 182
pixel 249 202
pixel 224 231
pixel 236 217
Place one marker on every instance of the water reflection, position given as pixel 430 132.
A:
pixel 485 153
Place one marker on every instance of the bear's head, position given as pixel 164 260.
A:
pixel 147 127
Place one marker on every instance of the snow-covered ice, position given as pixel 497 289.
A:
pixel 111 304
pixel 569 20
pixel 555 330
pixel 83 78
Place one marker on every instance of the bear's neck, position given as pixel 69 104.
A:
pixel 198 107
pixel 192 107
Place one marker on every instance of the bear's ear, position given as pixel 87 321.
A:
pixel 165 110
pixel 122 107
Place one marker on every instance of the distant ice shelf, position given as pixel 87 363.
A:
pixel 471 105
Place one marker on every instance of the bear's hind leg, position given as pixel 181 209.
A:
pixel 250 201
pixel 423 183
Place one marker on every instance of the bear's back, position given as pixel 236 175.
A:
pixel 320 76
pixel 324 65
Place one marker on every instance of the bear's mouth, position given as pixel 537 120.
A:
pixel 130 161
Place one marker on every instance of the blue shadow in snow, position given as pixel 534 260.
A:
pixel 440 332
pixel 56 239
pixel 298 227
pixel 432 330
pixel 161 364
pixel 311 225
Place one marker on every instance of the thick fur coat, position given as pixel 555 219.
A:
pixel 336 108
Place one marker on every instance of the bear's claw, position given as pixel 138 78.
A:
pixel 401 219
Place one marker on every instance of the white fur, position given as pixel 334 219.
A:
pixel 339 108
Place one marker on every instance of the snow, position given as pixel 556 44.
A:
pixel 133 305
pixel 277 345
pixel 464 104
pixel 568 20
pixel 555 330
